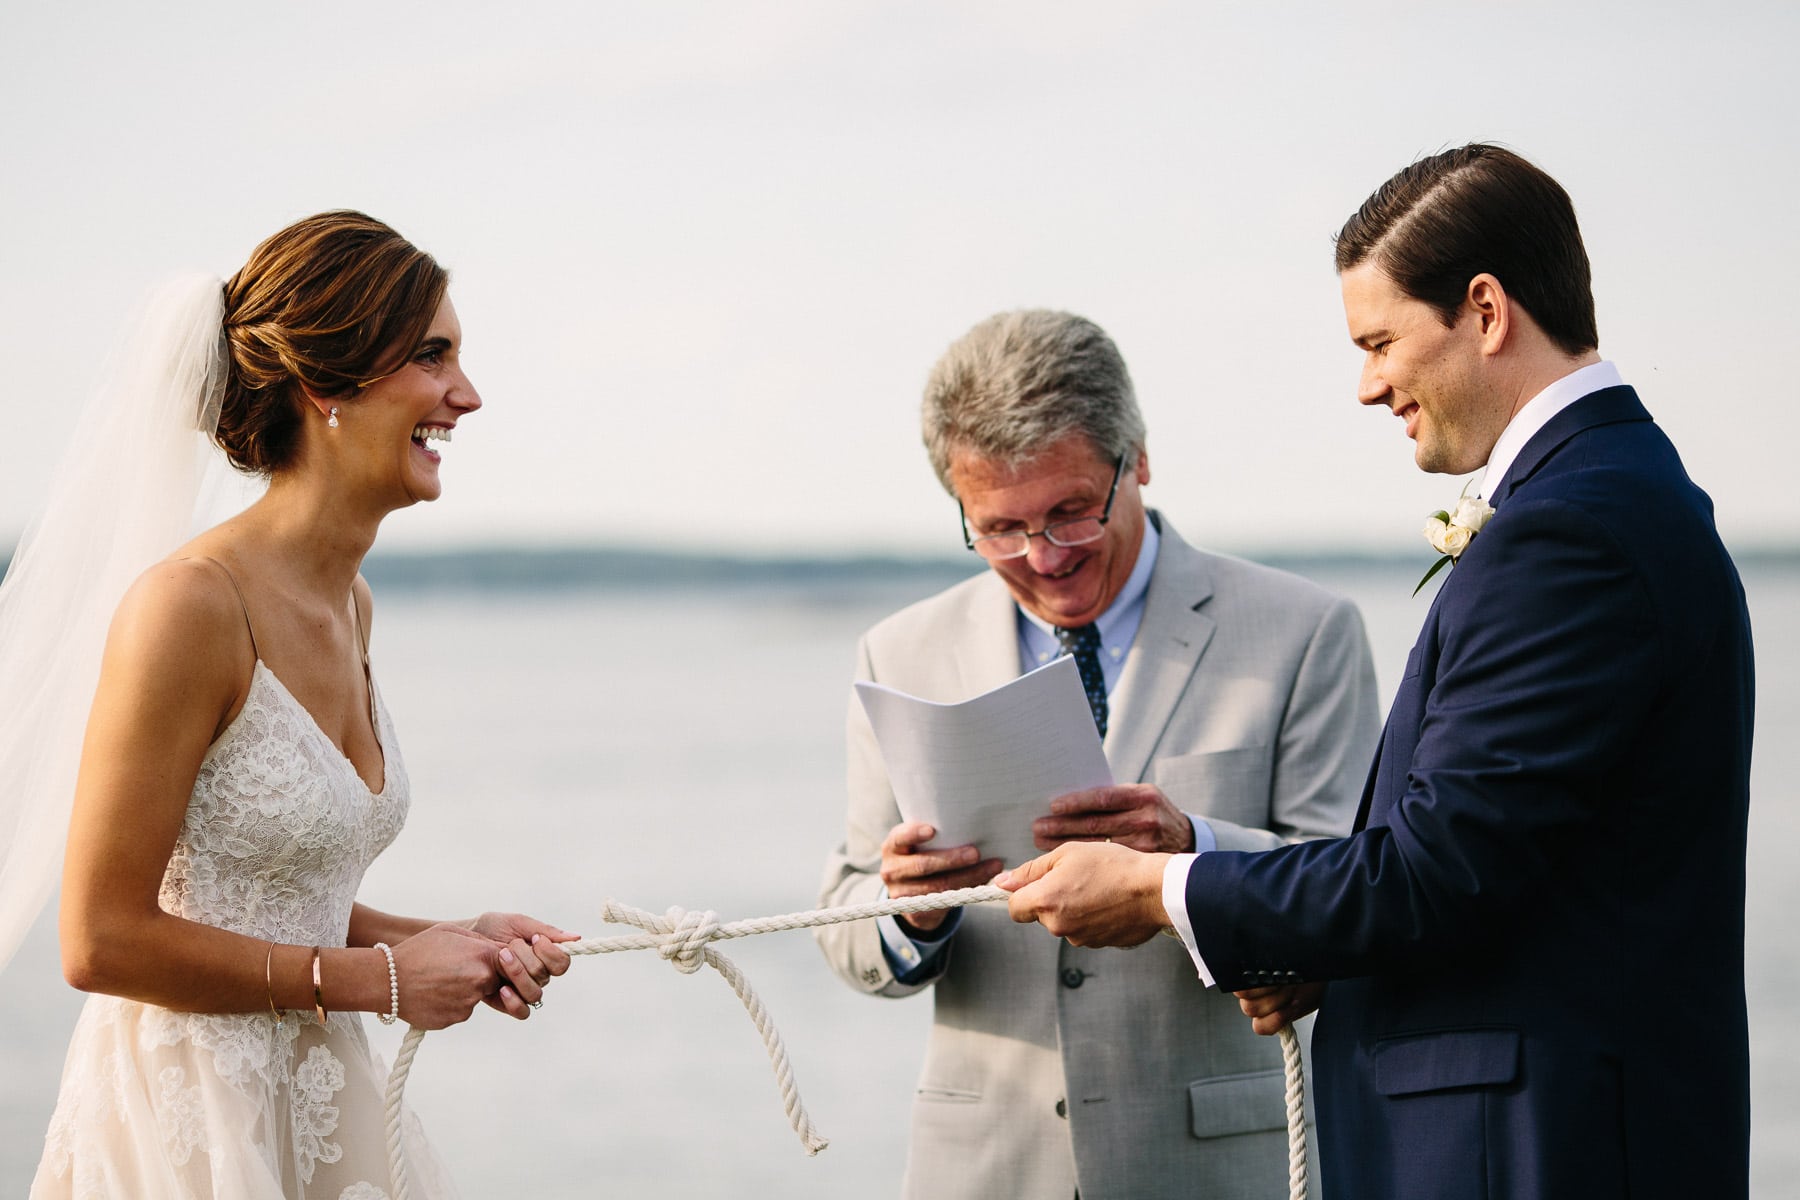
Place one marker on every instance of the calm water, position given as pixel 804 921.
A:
pixel 686 749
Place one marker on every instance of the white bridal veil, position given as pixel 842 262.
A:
pixel 127 492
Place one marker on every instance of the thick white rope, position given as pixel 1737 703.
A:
pixel 1296 1112
pixel 685 940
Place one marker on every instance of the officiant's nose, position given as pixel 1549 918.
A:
pixel 1047 558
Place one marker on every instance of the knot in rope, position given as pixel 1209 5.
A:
pixel 687 936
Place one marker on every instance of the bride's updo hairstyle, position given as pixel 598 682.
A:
pixel 331 303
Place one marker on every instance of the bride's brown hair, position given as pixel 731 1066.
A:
pixel 330 303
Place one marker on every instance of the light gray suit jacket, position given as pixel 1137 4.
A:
pixel 1249 698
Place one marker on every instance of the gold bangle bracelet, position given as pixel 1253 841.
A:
pixel 269 979
pixel 318 987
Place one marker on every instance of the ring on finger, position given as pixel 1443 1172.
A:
pixel 535 1003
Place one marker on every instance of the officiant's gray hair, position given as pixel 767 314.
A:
pixel 1020 381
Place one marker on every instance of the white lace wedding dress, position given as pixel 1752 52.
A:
pixel 240 1106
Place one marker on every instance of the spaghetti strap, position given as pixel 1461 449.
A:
pixel 362 641
pixel 362 637
pixel 232 579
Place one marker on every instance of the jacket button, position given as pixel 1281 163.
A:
pixel 1072 977
pixel 1062 1108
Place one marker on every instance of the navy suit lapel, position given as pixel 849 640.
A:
pixel 1388 774
pixel 1608 406
pixel 1374 776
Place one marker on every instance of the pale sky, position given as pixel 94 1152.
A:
pixel 705 253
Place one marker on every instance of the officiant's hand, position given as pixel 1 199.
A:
pixel 910 871
pixel 1090 894
pixel 1128 814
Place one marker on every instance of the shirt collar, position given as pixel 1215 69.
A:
pixel 1536 414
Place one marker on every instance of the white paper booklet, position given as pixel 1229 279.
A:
pixel 981 771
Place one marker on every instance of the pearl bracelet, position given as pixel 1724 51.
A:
pixel 393 1012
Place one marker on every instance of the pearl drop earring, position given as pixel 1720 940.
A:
pixel 333 421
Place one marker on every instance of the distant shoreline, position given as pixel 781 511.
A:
pixel 590 567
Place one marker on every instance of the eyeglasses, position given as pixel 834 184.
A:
pixel 997 547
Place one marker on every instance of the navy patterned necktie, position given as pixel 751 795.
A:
pixel 1083 642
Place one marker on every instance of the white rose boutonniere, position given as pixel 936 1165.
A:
pixel 1451 532
pixel 1472 512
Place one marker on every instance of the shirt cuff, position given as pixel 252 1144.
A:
pixel 1174 896
pixel 909 958
pixel 1205 840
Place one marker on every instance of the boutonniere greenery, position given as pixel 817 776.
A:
pixel 1451 532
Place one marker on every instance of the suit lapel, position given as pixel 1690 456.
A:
pixel 1608 406
pixel 987 649
pixel 1370 780
pixel 1170 641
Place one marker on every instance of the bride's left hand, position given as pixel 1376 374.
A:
pixel 529 956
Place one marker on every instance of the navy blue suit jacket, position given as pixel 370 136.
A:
pixel 1536 935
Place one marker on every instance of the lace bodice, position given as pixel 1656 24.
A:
pixel 280 827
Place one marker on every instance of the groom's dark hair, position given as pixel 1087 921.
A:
pixel 1479 208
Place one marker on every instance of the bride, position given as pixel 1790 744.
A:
pixel 238 771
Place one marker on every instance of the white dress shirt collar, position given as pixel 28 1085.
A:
pixel 1537 413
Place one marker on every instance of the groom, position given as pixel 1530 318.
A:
pixel 1535 938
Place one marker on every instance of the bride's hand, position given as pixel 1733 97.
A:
pixel 529 956
pixel 444 972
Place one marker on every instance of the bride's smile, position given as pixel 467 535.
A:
pixel 415 408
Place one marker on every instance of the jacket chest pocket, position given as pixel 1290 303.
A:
pixel 1232 785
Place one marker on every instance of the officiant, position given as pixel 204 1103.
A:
pixel 1236 707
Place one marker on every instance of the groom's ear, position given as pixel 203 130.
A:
pixel 1487 304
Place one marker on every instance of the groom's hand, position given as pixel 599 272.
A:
pixel 1129 814
pixel 909 870
pixel 1272 1008
pixel 1093 894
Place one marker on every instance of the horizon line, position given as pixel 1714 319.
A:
pixel 579 564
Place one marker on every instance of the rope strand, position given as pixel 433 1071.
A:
pixel 1296 1112
pixel 685 940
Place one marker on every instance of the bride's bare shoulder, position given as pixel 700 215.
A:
pixel 182 609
